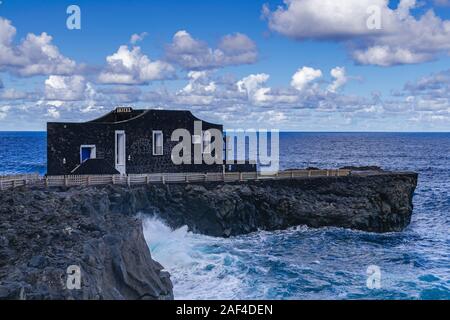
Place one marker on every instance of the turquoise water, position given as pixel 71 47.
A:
pixel 304 263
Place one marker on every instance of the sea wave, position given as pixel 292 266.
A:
pixel 298 263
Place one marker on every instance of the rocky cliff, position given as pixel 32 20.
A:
pixel 370 201
pixel 43 232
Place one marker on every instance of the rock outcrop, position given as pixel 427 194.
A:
pixel 43 233
pixel 374 201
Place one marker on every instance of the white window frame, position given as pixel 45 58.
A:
pixel 116 157
pixel 93 151
pixel 154 132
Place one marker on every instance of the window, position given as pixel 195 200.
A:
pixel 87 152
pixel 157 143
pixel 120 148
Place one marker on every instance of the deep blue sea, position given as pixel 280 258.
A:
pixel 305 263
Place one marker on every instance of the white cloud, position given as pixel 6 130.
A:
pixel 304 76
pixel 199 90
pixel 65 88
pixel 133 67
pixel 135 38
pixel 340 78
pixel 4 111
pixel 258 94
pixel 324 19
pixel 404 38
pixel 12 94
pixel 53 113
pixel 193 54
pixel 35 55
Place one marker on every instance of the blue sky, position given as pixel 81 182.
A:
pixel 242 63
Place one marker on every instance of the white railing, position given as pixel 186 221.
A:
pixel 35 180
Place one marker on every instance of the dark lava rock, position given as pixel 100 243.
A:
pixel 375 202
pixel 42 233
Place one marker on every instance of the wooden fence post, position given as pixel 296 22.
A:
pixel 163 180
pixel 1 185
pixel 147 179
pixel 292 174
pixel 13 183
pixel 241 176
pixel 309 173
pixel 88 180
pixel 128 181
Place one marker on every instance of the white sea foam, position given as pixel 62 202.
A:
pixel 200 268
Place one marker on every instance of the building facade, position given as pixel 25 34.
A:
pixel 124 141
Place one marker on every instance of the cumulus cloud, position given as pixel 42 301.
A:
pixel 133 67
pixel 35 55
pixel 65 88
pixel 257 93
pixel 404 38
pixel 135 38
pixel 53 113
pixel 340 78
pixel 304 76
pixel 193 54
pixel 200 90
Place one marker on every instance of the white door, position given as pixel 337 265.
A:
pixel 120 152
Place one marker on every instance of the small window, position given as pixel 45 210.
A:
pixel 206 139
pixel 87 152
pixel 157 143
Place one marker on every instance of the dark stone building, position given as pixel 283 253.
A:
pixel 124 141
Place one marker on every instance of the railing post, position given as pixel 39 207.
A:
pixel 46 182
pixel 187 178
pixel 147 179
pixel 128 181
pixel 88 180
pixel 65 181
pixel 113 179
pixel 1 185
pixel 241 176
pixel 163 180
pixel 292 174
pixel 309 173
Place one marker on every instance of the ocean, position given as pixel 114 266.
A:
pixel 306 263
